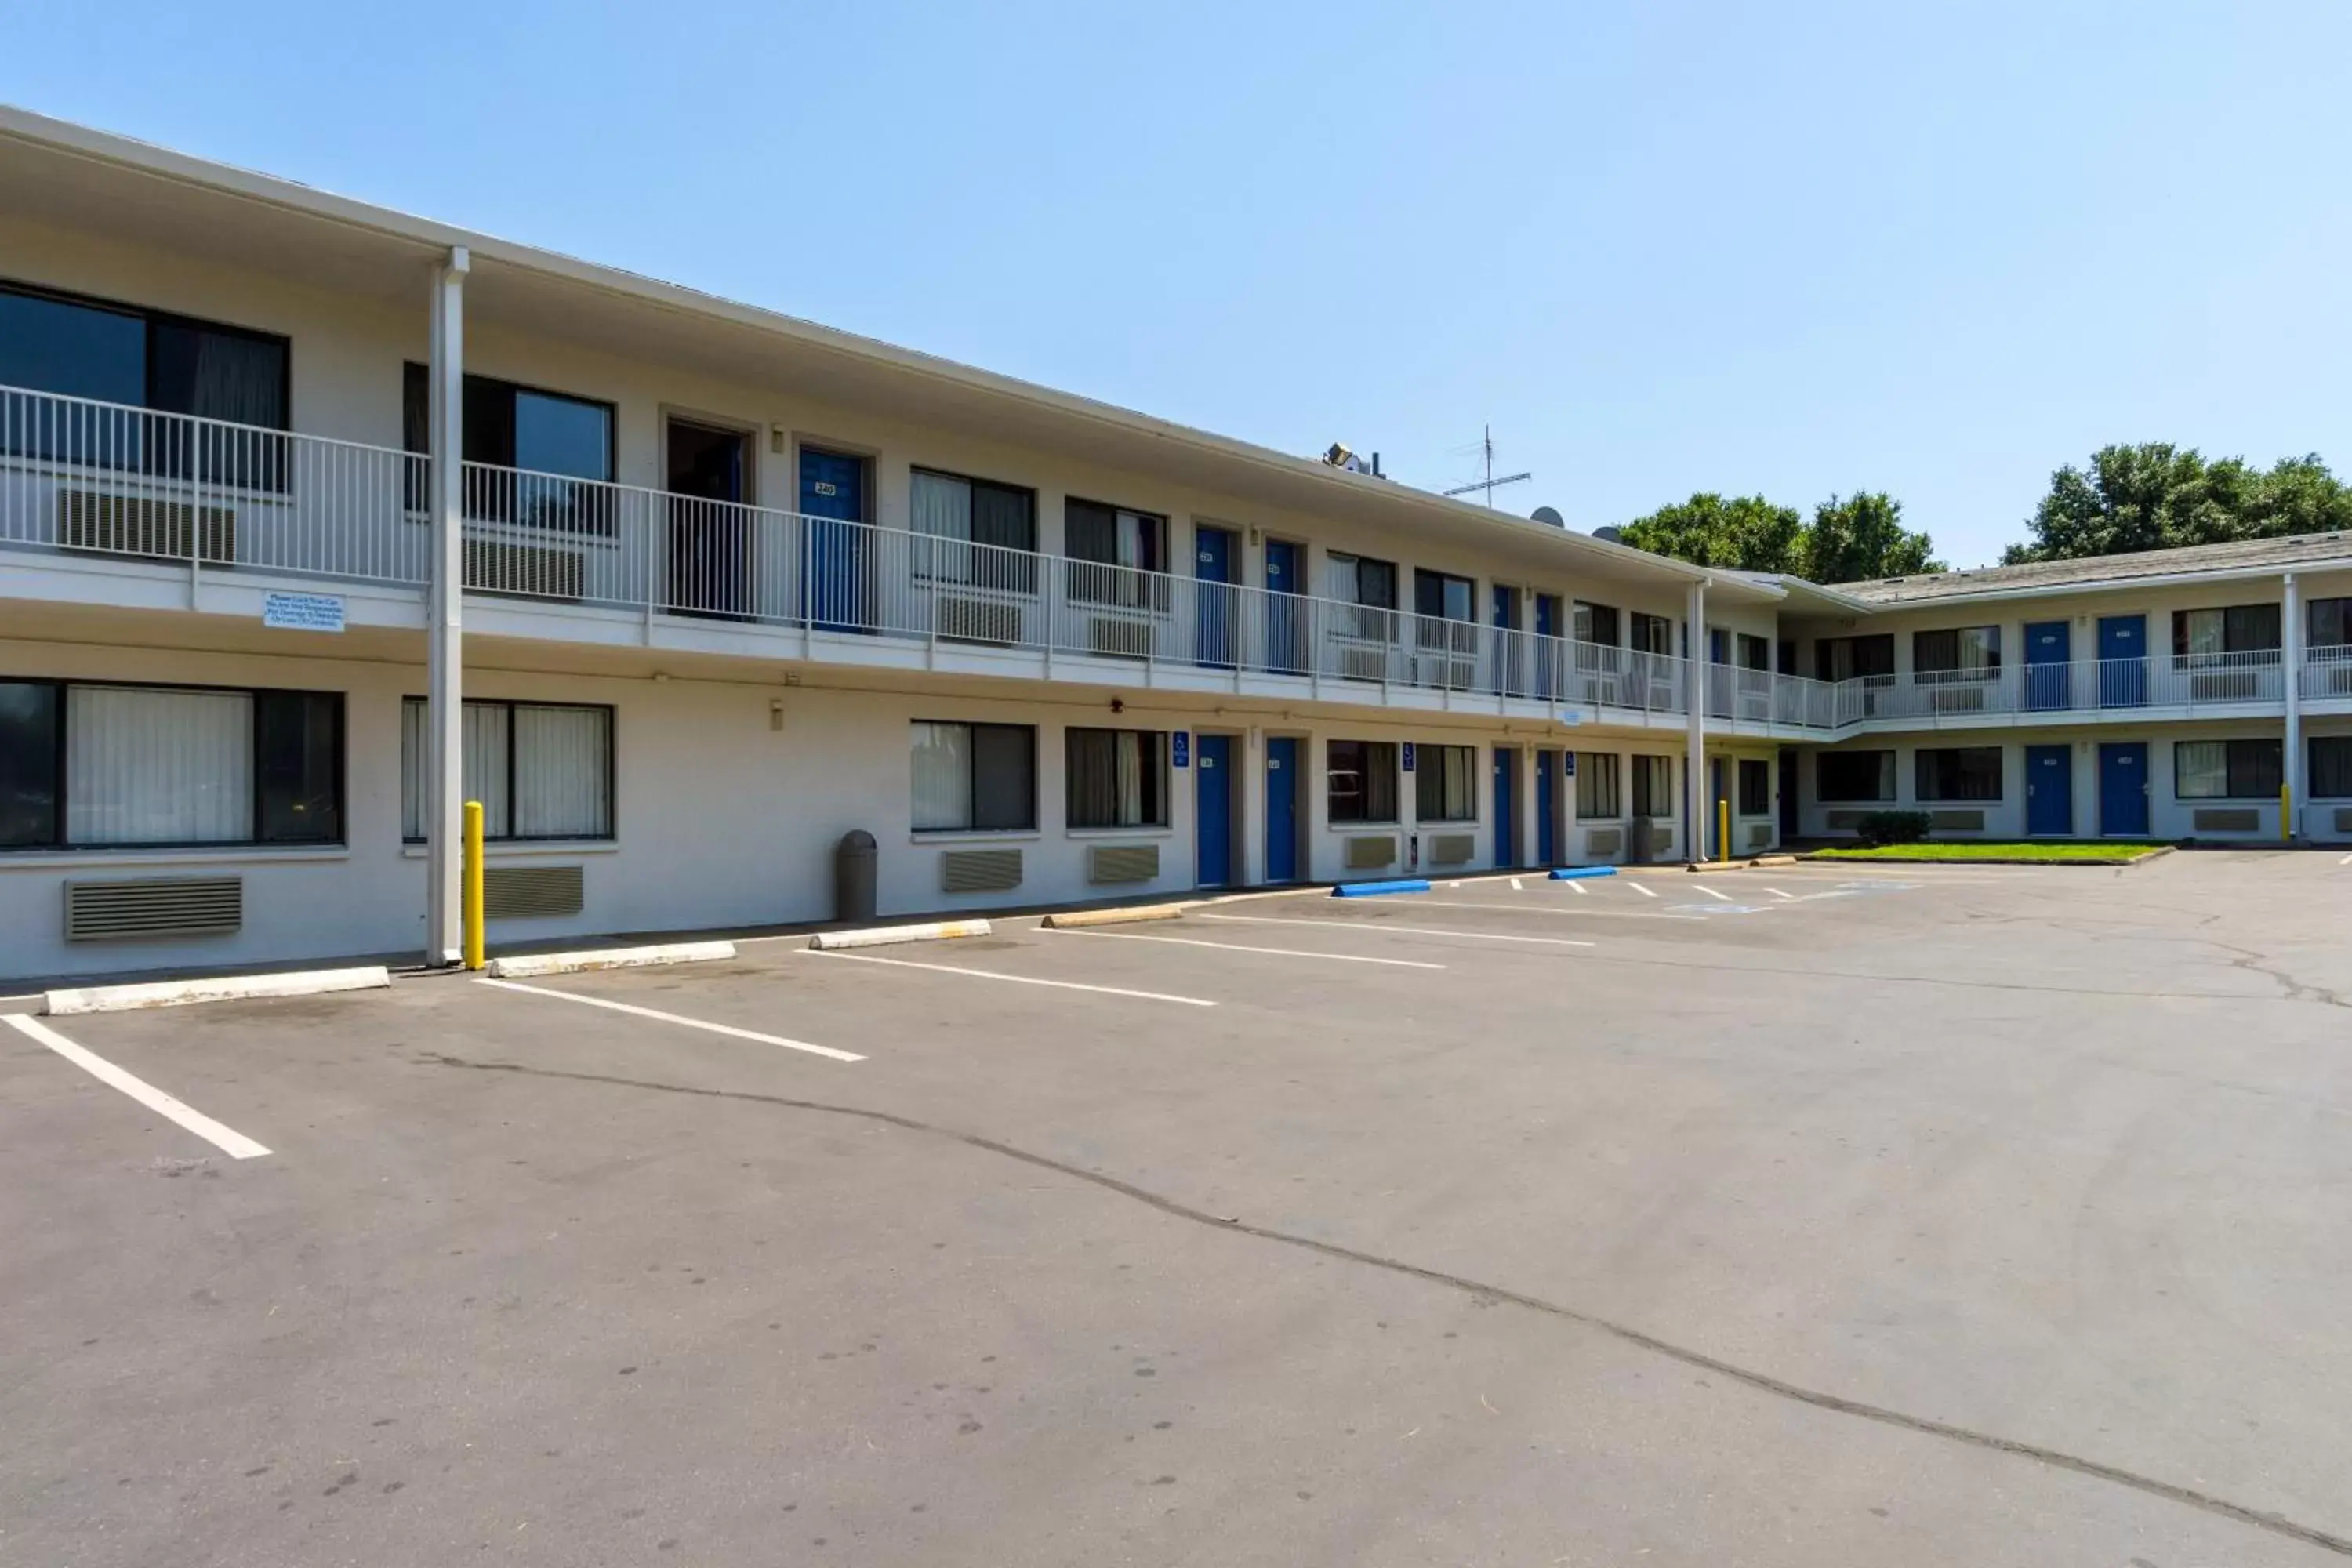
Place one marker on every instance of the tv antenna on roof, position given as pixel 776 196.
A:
pixel 1493 479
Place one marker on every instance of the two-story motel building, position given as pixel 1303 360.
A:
pixel 735 585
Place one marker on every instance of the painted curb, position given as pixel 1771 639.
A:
pixel 525 965
pixel 884 936
pixel 1076 919
pixel 227 988
pixel 1375 890
pixel 1577 873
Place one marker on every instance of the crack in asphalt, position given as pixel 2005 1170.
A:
pixel 1765 1383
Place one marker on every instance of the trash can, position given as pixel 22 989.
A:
pixel 854 861
pixel 1643 848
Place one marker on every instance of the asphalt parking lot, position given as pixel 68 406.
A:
pixel 1809 1216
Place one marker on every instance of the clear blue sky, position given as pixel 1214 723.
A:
pixel 1796 248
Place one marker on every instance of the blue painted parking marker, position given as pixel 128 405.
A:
pixel 1577 873
pixel 1369 889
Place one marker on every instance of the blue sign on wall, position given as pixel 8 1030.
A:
pixel 1569 760
pixel 1180 746
pixel 1408 756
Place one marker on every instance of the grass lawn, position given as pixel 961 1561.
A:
pixel 1978 850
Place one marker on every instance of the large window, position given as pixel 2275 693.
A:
pixel 540 433
pixel 1446 784
pixel 75 347
pixel 1956 654
pixel 1597 797
pixel 1368 585
pixel 2227 770
pixel 2239 628
pixel 540 769
pixel 88 766
pixel 1958 772
pixel 2327 623
pixel 1111 549
pixel 1116 778
pixel 2331 769
pixel 1595 624
pixel 977 511
pixel 1854 776
pixel 974 778
pixel 1854 659
pixel 1755 787
pixel 1361 781
pixel 1755 652
pixel 1654 787
pixel 1649 634
pixel 1442 595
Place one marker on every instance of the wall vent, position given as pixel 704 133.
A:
pixel 2226 819
pixel 532 892
pixel 1843 821
pixel 154 907
pixel 1604 843
pixel 962 619
pixel 534 570
pixel 1452 848
pixel 1956 821
pixel 1760 835
pixel 2344 819
pixel 144 525
pixel 1122 862
pixel 980 870
pixel 1119 636
pixel 1372 851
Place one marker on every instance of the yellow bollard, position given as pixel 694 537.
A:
pixel 1722 828
pixel 473 900
pixel 2286 813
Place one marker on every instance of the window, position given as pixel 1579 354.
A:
pixel 149 767
pixel 1595 624
pixel 1755 787
pixel 2227 770
pixel 2328 623
pixel 74 347
pixel 2331 772
pixel 1958 772
pixel 1443 597
pixel 1597 799
pixel 1755 652
pixel 1110 549
pixel 974 778
pixel 2241 628
pixel 1654 787
pixel 1854 659
pixel 550 436
pixel 977 511
pixel 1362 781
pixel 540 769
pixel 1651 634
pixel 1446 784
pixel 1841 777
pixel 1956 654
pixel 1116 778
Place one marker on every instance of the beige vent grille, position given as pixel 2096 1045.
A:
pixel 532 892
pixel 1452 848
pixel 1956 821
pixel 1843 821
pixel 142 525
pixel 1119 636
pixel 168 906
pixel 1122 862
pixel 1369 852
pixel 496 566
pixel 2226 819
pixel 1358 662
pixel 979 620
pixel 980 870
pixel 1604 841
pixel 1760 835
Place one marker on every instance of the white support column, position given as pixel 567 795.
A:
pixel 1695 686
pixel 2291 668
pixel 1250 801
pixel 445 657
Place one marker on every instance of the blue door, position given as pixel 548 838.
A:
pixel 1212 816
pixel 1213 576
pixel 2049 787
pixel 1506 835
pixel 832 581
pixel 2123 789
pixel 2049 672
pixel 1282 808
pixel 1285 615
pixel 2123 662
pixel 1546 797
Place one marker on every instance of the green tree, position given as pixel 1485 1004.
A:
pixel 1744 533
pixel 2157 495
pixel 1862 536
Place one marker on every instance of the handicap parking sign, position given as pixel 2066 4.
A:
pixel 1181 748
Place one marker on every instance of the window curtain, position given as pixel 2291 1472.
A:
pixel 1092 787
pixel 1597 795
pixel 1003 776
pixel 942 511
pixel 482 774
pixel 145 767
pixel 562 773
pixel 2331 767
pixel 942 772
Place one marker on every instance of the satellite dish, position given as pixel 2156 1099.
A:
pixel 1610 535
pixel 1548 516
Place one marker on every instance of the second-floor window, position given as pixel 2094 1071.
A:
pixel 977 511
pixel 529 443
pixel 1854 659
pixel 1956 653
pixel 1442 595
pixel 1368 585
pixel 1649 634
pixel 2327 623
pixel 2204 635
pixel 1755 652
pixel 1594 624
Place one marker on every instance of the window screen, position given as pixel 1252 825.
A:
pixel 2227 770
pixel 1841 776
pixel 974 777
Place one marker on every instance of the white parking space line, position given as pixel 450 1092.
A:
pixel 635 1012
pixel 1579 890
pixel 1237 947
pixel 1640 889
pixel 1710 892
pixel 1777 893
pixel 1400 930
pixel 1517 885
pixel 2346 861
pixel 1013 979
pixel 227 1139
pixel 1540 910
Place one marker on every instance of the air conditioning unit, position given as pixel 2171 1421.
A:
pixel 1358 661
pixel 143 526
pixel 2335 679
pixel 1958 699
pixel 1451 672
pixel 529 571
pixel 1119 636
pixel 964 619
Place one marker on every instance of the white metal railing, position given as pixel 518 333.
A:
pixel 2328 670
pixel 2165 680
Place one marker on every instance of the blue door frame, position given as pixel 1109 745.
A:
pixel 1546 802
pixel 2049 790
pixel 2049 668
pixel 2123 662
pixel 1282 787
pixel 833 579
pixel 1286 622
pixel 1212 810
pixel 2123 789
pixel 1214 623
pixel 1507 836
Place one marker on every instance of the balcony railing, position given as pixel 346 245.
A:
pixel 85 479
